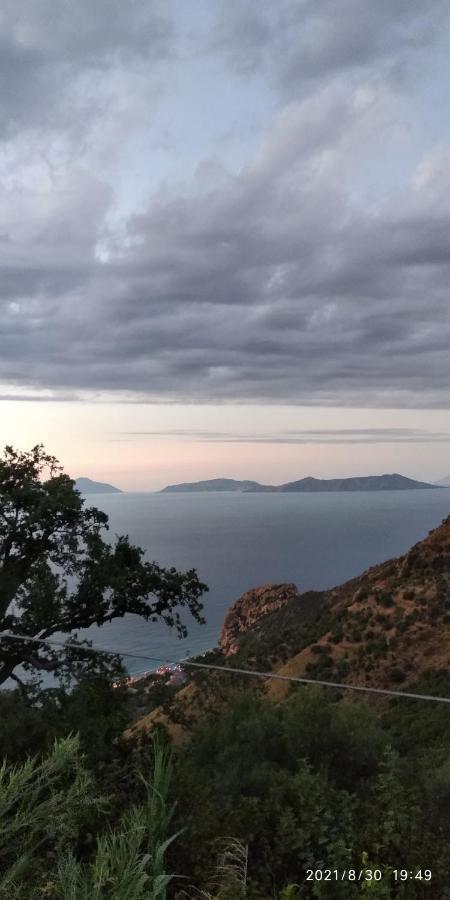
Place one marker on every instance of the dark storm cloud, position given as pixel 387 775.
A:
pixel 275 284
pixel 196 320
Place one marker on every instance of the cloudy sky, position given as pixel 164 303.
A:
pixel 225 237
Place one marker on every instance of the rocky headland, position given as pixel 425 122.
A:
pixel 251 609
pixel 388 627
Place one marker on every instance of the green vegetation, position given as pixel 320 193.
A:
pixel 260 791
pixel 45 807
pixel 313 782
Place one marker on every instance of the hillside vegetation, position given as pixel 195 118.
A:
pixel 307 776
pixel 388 627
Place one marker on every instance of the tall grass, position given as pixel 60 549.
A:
pixel 229 879
pixel 129 864
pixel 40 804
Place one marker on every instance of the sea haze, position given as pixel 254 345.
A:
pixel 238 541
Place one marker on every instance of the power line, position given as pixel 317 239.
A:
pixel 237 671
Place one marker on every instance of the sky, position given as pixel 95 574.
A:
pixel 225 237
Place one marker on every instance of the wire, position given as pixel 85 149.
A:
pixel 238 671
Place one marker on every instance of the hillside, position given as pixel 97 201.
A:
pixel 87 486
pixel 392 482
pixel 387 627
pixel 300 773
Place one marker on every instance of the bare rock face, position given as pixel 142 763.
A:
pixel 250 609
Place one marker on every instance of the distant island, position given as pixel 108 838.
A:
pixel 214 484
pixel 87 486
pixel 444 482
pixel 392 482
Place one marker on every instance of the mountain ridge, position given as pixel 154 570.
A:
pixel 389 482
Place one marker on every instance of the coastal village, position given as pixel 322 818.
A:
pixel 173 673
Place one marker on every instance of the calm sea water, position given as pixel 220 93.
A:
pixel 238 541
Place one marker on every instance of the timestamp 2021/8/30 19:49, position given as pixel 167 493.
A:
pixel 365 874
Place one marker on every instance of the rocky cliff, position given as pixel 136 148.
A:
pixel 250 609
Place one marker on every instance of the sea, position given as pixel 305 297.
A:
pixel 238 541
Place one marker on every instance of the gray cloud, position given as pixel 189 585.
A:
pixel 189 315
pixel 55 57
pixel 296 41
pixel 279 283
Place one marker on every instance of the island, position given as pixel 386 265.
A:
pixel 393 482
pixel 87 486
pixel 214 484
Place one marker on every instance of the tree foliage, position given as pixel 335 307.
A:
pixel 58 574
pixel 316 782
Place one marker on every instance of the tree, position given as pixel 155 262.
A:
pixel 59 574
